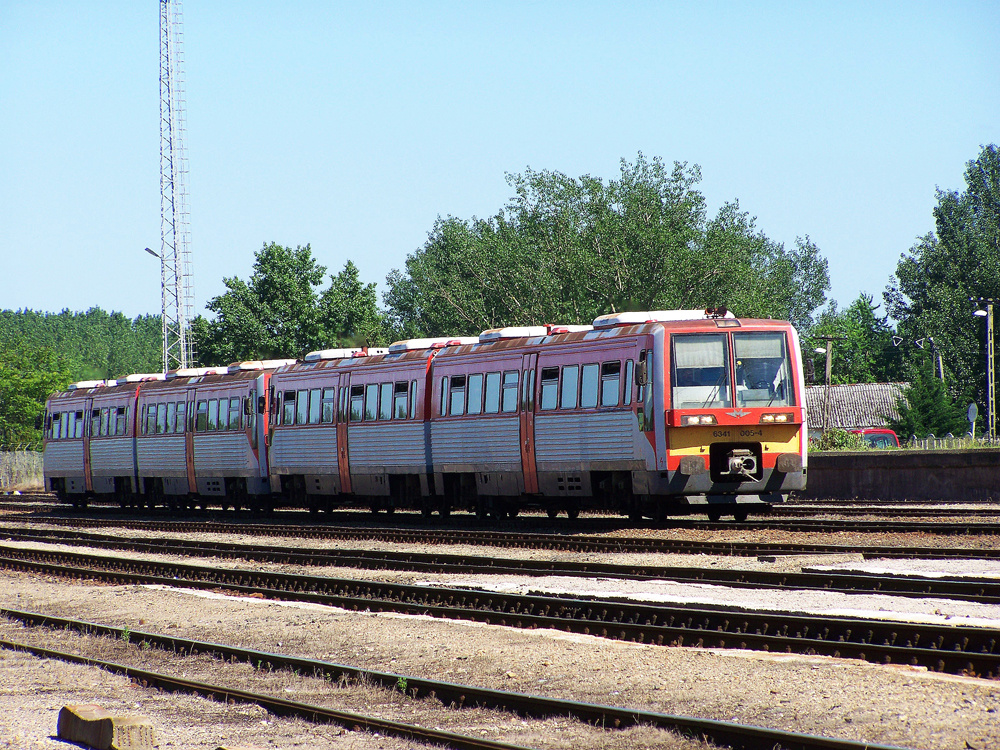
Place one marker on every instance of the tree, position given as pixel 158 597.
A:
pixel 24 387
pixel 565 250
pixel 864 350
pixel 279 313
pixel 272 316
pixel 349 310
pixel 930 292
pixel 925 408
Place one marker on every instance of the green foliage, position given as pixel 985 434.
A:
pixel 42 352
pixel 836 439
pixel 863 351
pixel 567 250
pixel 929 294
pixel 279 313
pixel 925 408
pixel 24 386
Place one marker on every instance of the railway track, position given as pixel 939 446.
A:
pixel 553 541
pixel 953 649
pixel 983 521
pixel 727 734
pixel 979 590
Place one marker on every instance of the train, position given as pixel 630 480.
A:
pixel 641 414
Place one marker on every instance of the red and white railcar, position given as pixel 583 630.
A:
pixel 644 413
pixel 178 439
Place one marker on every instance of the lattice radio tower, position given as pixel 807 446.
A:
pixel 175 254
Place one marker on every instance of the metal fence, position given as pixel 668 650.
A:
pixel 20 469
pixel 951 442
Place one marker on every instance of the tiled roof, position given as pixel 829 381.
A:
pixel 854 406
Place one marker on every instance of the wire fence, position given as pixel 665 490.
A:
pixel 20 469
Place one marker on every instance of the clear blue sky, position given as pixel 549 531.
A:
pixel 352 126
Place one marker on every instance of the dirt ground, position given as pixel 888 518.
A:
pixel 817 695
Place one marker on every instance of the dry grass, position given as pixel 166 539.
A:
pixel 20 470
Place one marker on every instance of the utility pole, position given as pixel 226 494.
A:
pixel 991 381
pixel 177 296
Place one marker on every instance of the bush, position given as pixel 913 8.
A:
pixel 836 439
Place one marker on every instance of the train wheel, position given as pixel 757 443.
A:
pixel 552 512
pixel 573 513
pixel 740 515
pixel 714 514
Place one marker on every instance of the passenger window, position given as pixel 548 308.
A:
pixel 56 426
pixel 385 401
pixel 235 413
pixel 315 406
pixel 201 419
pixel 302 406
pixel 629 368
pixel 457 396
pixel 80 425
pixel 213 414
pixel 357 402
pixel 329 405
pixel 371 401
pixel 550 387
pixel 570 387
pixel 104 421
pixel 70 425
pixel 492 392
pixel 589 386
pixel 172 417
pixel 401 393
pixel 475 394
pixel 151 419
pixel 288 407
pixel 443 411
pixel 181 417
pixel 413 399
pixel 611 375
pixel 95 423
pixel 510 391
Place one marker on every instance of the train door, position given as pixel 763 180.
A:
pixel 88 425
pixel 257 422
pixel 192 420
pixel 343 418
pixel 527 417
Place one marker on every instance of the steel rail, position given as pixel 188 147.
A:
pixel 274 704
pixel 944 648
pixel 979 590
pixel 464 696
pixel 558 541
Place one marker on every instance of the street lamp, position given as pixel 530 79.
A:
pixel 828 351
pixel 990 373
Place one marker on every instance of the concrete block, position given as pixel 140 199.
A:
pixel 94 727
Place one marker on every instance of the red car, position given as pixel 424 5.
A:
pixel 878 437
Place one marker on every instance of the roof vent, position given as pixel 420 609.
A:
pixel 554 329
pixel 409 345
pixel 84 384
pixel 187 372
pixel 332 354
pixel 141 377
pixel 513 332
pixel 659 316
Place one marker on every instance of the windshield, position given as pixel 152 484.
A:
pixel 763 371
pixel 700 371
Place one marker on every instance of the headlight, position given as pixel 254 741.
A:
pixel 690 420
pixel 767 418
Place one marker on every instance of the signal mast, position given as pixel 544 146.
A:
pixel 175 254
